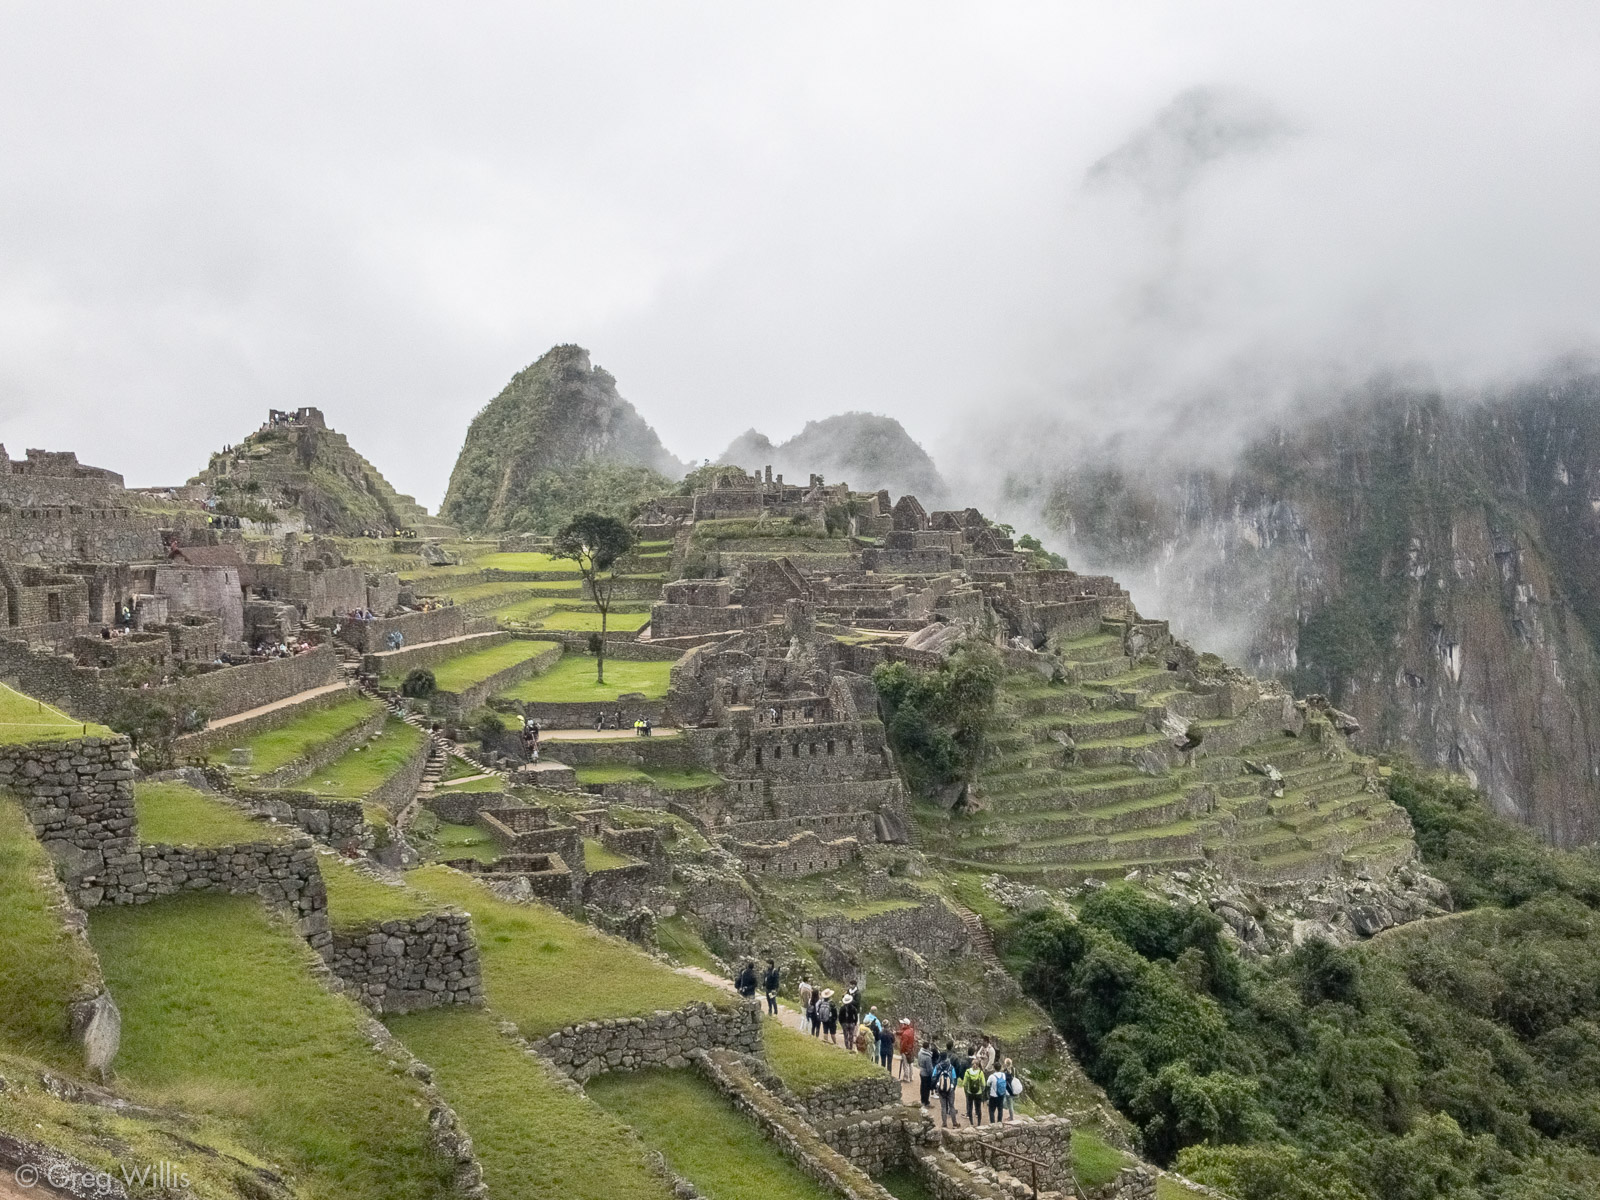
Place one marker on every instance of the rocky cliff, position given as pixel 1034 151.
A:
pixel 862 449
pixel 556 440
pixel 1432 566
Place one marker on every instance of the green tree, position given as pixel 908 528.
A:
pixel 595 543
pixel 936 719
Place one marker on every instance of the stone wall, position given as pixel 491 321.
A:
pixel 803 854
pixel 337 823
pixel 468 699
pixel 835 1100
pixel 665 1039
pixel 204 741
pixel 797 1140
pixel 78 796
pixel 324 753
pixel 581 715
pixel 618 888
pixel 397 791
pixel 233 690
pixel 874 1142
pixel 462 808
pixel 416 627
pixel 408 658
pixel 1132 1183
pixel 618 645
pixel 1046 1139
pixel 404 965
pixel 930 928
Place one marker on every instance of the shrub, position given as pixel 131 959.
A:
pixel 419 684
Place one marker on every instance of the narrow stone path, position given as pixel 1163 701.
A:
pixel 597 735
pixel 286 702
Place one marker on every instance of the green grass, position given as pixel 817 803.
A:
pixel 540 969
pixel 459 673
pixel 704 1138
pixel 572 679
pixel 536 1140
pixel 466 841
pixel 176 814
pixel 902 1184
pixel 678 938
pixel 356 900
pixel 867 908
pixel 662 777
pixel 1094 1160
pixel 493 783
pixel 278 747
pixel 510 592
pixel 523 561
pixel 42 968
pixel 459 768
pixel 369 765
pixel 589 622
pixel 220 1015
pixel 1168 1188
pixel 807 1063
pixel 24 719
pixel 597 858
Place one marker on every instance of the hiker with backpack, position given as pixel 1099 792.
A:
pixel 849 1018
pixel 925 1071
pixel 974 1083
pixel 1013 1089
pixel 944 1085
pixel 873 1024
pixel 828 1016
pixel 997 1087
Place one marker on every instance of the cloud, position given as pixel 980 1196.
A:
pixel 764 216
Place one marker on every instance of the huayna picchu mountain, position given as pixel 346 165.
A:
pixel 557 440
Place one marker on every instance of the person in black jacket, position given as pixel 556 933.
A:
pixel 745 984
pixel 769 983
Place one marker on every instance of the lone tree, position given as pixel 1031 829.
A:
pixel 595 543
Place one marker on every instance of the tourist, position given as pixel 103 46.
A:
pixel 805 993
pixel 827 1018
pixel 906 1043
pixel 961 1059
pixel 746 982
pixel 925 1071
pixel 849 1019
pixel 647 727
pixel 873 1024
pixel 1013 1089
pixel 811 1014
pixel 864 1040
pixel 616 721
pixel 599 721
pixel 944 1083
pixel 985 1056
pixel 974 1083
pixel 997 1087
pixel 638 727
pixel 770 981
pixel 886 1047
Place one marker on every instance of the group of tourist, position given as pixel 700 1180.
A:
pixel 972 1073
pixel 280 649
pixel 641 726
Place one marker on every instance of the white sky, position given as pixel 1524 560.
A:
pixel 756 214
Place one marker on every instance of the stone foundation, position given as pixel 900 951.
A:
pixel 402 966
pixel 666 1039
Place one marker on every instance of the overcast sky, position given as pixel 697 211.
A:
pixel 754 214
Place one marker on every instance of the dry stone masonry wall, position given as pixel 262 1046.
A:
pixel 402 966
pixel 664 1039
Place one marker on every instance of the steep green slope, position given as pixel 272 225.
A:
pixel 309 469
pixel 556 441
pixel 1430 563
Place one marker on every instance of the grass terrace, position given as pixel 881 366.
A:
pixel 589 621
pixel 1095 1161
pixel 807 1063
pixel 369 765
pixel 24 719
pixel 491 783
pixel 459 768
pixel 666 778
pixel 357 900
pixel 704 1139
pixel 536 1139
pixel 221 1016
pixel 597 858
pixel 42 967
pixel 523 561
pixel 175 814
pixel 466 841
pixel 278 747
pixel 572 679
pixel 540 968
pixel 461 672
pixel 513 590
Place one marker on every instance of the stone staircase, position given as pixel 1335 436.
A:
pixel 1081 781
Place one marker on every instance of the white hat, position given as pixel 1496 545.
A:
pixel 849 998
pixel 826 992
pixel 905 1020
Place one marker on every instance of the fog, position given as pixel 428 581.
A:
pixel 1008 227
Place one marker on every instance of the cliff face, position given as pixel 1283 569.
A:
pixel 866 451
pixel 1433 567
pixel 558 438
